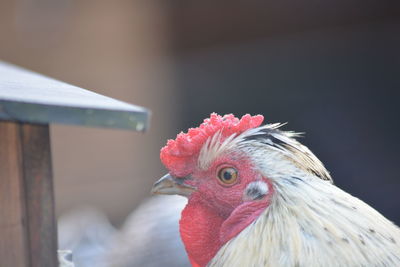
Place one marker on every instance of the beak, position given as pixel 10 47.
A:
pixel 170 185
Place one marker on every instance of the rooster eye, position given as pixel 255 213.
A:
pixel 228 175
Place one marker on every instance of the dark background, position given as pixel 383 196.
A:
pixel 331 70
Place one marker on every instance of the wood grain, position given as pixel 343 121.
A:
pixel 35 140
pixel 26 197
pixel 13 232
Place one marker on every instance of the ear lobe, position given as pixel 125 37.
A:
pixel 256 191
pixel 240 218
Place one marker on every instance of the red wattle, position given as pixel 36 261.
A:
pixel 199 227
pixel 204 231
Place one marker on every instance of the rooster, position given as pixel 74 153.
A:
pixel 257 197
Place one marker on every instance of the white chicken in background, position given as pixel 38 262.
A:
pixel 148 238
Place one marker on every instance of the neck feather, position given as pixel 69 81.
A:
pixel 311 222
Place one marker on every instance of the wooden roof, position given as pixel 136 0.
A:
pixel 30 97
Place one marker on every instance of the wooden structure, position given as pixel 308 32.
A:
pixel 29 102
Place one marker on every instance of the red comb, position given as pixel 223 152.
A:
pixel 179 154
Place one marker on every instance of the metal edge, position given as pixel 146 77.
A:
pixel 91 117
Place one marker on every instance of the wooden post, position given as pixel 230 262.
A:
pixel 29 102
pixel 28 235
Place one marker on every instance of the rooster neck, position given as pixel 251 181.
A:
pixel 311 222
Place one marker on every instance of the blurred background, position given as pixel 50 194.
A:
pixel 328 68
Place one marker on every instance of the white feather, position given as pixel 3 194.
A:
pixel 310 222
pixel 314 223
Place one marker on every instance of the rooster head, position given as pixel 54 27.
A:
pixel 230 170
